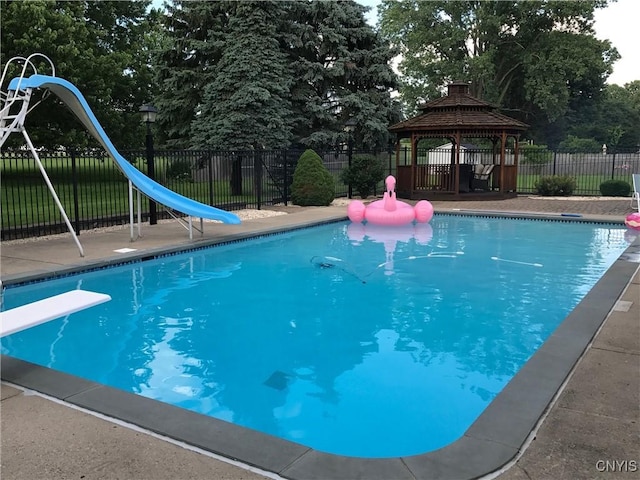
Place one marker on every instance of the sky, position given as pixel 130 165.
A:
pixel 617 23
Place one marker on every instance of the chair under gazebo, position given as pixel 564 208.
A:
pixel 458 117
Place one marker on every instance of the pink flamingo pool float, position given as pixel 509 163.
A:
pixel 390 211
pixel 633 221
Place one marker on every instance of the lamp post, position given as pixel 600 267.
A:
pixel 149 113
pixel 349 127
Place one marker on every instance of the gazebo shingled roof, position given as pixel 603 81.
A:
pixel 456 116
pixel 458 110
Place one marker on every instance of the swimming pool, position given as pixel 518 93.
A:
pixel 336 312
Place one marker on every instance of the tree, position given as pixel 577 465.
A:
pixel 344 71
pixel 101 47
pixel 533 59
pixel 185 62
pixel 247 102
pixel 322 63
pixel 621 115
pixel 612 118
pixel 573 144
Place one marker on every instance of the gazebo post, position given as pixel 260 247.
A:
pixel 503 152
pixel 516 153
pixel 456 176
pixel 414 161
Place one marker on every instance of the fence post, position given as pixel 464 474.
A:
pixel 286 176
pixel 151 172
pixel 613 163
pixel 257 174
pixel 74 182
pixel 209 156
pixel 555 156
pixel 349 161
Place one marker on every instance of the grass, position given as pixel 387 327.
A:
pixel 101 190
pixel 585 184
pixel 31 203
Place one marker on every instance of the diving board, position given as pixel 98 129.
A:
pixel 41 311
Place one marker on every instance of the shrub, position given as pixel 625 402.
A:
pixel 312 184
pixel 179 170
pixel 615 188
pixel 555 185
pixel 573 144
pixel 365 173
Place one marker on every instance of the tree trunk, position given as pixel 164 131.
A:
pixel 236 177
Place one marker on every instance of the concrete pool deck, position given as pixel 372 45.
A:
pixel 590 430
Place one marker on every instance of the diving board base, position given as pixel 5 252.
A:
pixel 36 313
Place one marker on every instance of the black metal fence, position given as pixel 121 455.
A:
pixel 588 169
pixel 94 193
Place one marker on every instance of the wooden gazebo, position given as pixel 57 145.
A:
pixel 457 117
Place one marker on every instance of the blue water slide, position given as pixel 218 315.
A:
pixel 76 102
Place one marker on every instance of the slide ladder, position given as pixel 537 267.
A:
pixel 14 106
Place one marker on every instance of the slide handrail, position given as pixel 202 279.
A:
pixel 8 99
pixel 75 101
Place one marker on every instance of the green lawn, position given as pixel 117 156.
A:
pixel 585 184
pixel 102 190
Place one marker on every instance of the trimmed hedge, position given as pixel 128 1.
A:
pixel 615 188
pixel 312 184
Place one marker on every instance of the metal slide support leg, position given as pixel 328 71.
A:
pixel 139 200
pixel 190 228
pixel 130 212
pixel 139 214
pixel 53 191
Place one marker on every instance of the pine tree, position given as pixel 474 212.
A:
pixel 247 103
pixel 234 74
pixel 185 64
pixel 344 71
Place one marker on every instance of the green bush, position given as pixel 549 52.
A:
pixel 312 184
pixel 179 170
pixel 365 173
pixel 615 188
pixel 573 144
pixel 555 185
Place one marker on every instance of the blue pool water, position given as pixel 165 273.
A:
pixel 347 338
